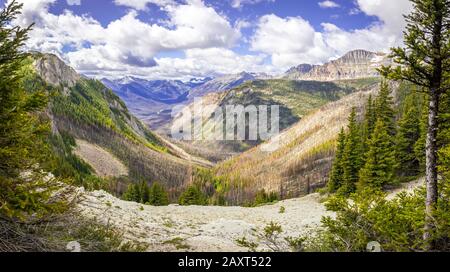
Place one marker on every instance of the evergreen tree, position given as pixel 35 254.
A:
pixel 384 109
pixel 137 192
pixel 370 117
pixel 379 168
pixel 24 185
pixel 337 172
pixel 419 146
pixel 426 62
pixel 408 135
pixel 158 195
pixel 192 196
pixel 351 157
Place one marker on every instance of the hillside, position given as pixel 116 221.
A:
pixel 295 98
pixel 303 156
pixel 93 131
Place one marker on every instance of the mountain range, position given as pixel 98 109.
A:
pixel 152 101
pixel 103 125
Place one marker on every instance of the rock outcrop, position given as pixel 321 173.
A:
pixel 353 65
pixel 55 72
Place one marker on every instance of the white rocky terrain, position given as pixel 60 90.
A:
pixel 200 228
pixel 206 228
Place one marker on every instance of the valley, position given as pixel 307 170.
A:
pixel 106 135
pixel 196 126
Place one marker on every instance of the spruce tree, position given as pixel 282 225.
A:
pixel 193 196
pixel 425 61
pixel 419 146
pixel 337 172
pixel 158 195
pixel 408 135
pixel 25 188
pixel 380 164
pixel 370 117
pixel 384 109
pixel 351 157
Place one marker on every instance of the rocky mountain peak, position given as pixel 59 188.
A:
pixel 357 56
pixel 353 65
pixel 54 71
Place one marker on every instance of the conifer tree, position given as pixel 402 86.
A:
pixel 425 61
pixel 193 196
pixel 337 172
pixel 408 135
pixel 384 109
pixel 370 117
pixel 137 192
pixel 419 147
pixel 25 188
pixel 158 195
pixel 380 164
pixel 352 156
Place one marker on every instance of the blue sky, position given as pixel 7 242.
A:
pixel 193 38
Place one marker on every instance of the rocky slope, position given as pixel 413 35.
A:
pixel 54 71
pixel 207 228
pixel 353 65
pixel 199 228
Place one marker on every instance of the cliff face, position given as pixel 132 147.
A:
pixel 355 64
pixel 55 72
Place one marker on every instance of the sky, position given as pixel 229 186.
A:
pixel 182 39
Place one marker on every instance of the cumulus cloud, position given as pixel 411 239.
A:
pixel 240 3
pixel 142 4
pixel 73 2
pixel 127 41
pixel 292 41
pixel 206 37
pixel 287 40
pixel 328 4
pixel 195 63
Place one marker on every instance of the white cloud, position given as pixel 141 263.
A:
pixel 127 41
pixel 328 4
pixel 287 40
pixel 239 3
pixel 196 63
pixel 142 4
pixel 206 37
pixel 73 2
pixel 292 41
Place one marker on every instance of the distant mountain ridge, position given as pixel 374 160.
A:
pixel 353 65
pixel 152 100
pixel 225 83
